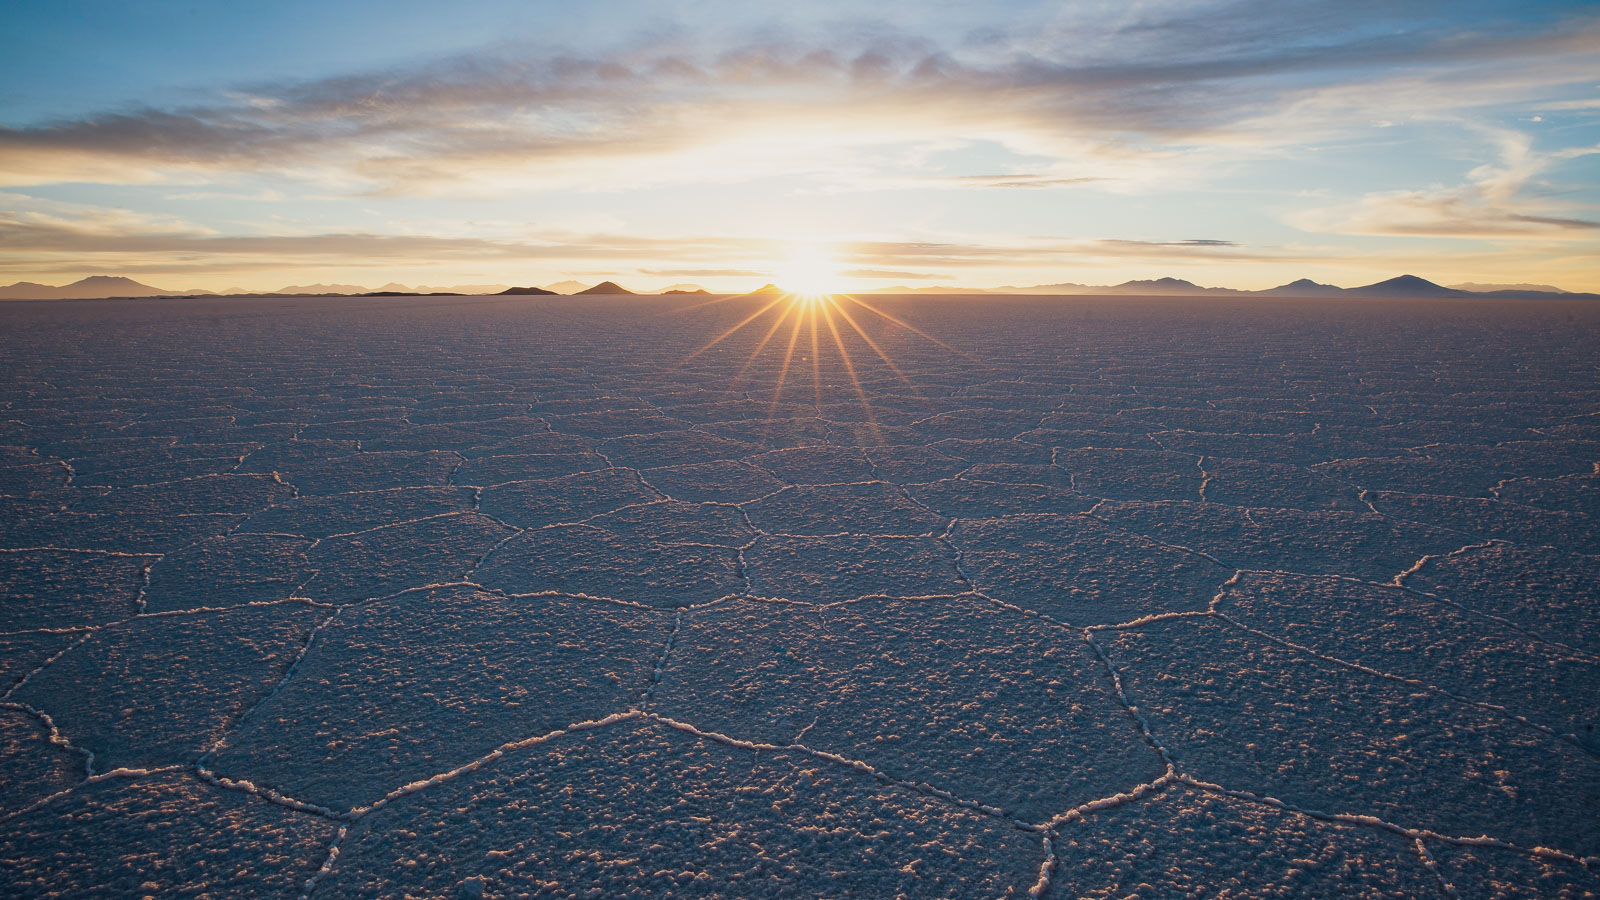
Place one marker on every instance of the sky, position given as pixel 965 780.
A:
pixel 847 146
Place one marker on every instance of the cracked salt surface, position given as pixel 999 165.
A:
pixel 369 709
pixel 397 596
pixel 915 687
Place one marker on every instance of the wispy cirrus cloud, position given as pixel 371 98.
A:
pixel 890 274
pixel 1048 251
pixel 36 236
pixel 1493 202
pixel 703 273
pixel 1026 180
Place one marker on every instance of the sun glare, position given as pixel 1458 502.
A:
pixel 807 309
pixel 809 271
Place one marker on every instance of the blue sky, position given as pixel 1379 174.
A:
pixel 1245 144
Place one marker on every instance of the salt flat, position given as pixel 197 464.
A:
pixel 965 597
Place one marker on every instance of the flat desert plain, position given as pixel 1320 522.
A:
pixel 816 597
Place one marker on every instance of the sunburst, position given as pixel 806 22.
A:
pixel 789 321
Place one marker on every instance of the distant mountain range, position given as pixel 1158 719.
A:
pixel 1405 286
pixel 97 287
pixel 1402 287
pixel 100 286
pixel 90 288
pixel 1482 288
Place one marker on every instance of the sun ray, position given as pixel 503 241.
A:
pixel 816 360
pixel 803 309
pixel 794 337
pixel 904 324
pixel 765 339
pixel 694 306
pixel 715 300
pixel 729 333
pixel 850 369
pixel 870 342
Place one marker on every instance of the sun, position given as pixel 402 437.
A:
pixel 808 304
pixel 809 271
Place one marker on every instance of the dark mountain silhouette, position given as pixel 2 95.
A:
pixel 27 290
pixel 697 292
pixel 606 287
pixel 527 291
pixel 1162 287
pixel 91 288
pixel 1303 287
pixel 1405 286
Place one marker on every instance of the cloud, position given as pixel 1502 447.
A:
pixel 1493 203
pixel 1453 213
pixel 46 234
pixel 704 273
pixel 261 196
pixel 22 218
pixel 39 227
pixel 1584 105
pixel 1137 101
pixel 1136 246
pixel 1009 181
pixel 1044 252
pixel 890 274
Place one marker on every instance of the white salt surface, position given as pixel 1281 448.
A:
pixel 521 596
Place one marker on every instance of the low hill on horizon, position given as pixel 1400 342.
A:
pixel 1405 286
pixel 606 287
pixel 1303 287
pixel 1162 287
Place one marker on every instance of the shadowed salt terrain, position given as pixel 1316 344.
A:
pixel 1077 597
